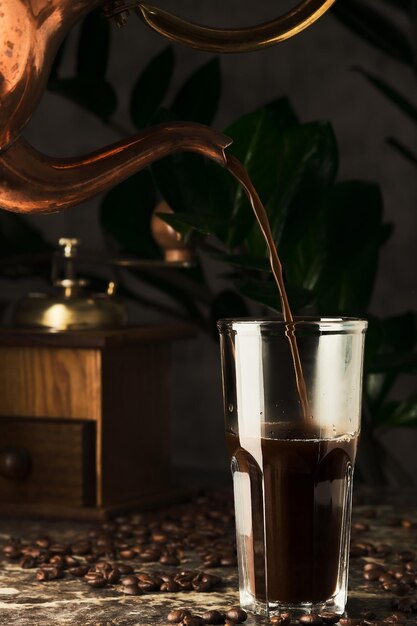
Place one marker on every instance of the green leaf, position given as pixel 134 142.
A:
pixel 376 29
pixel 151 87
pixel 266 293
pixel 354 233
pixel 398 363
pixel 308 163
pixel 256 143
pixel 400 414
pixel 93 47
pixel 405 105
pixel 401 5
pixel 186 222
pixel 198 98
pixel 126 213
pixel 402 149
pixel 190 184
pixel 226 304
pixel 244 262
pixel 97 96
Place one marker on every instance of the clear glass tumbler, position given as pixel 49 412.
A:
pixel 292 457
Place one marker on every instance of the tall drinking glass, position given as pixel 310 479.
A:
pixel 292 468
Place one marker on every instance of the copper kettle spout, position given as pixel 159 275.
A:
pixel 33 183
pixel 234 39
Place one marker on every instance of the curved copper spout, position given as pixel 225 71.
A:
pixel 33 183
pixel 234 40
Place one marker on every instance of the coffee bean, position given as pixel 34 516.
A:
pixel 12 551
pixel 368 615
pixel 228 561
pixel 132 590
pixel 383 550
pixel 169 559
pixel 192 620
pixel 407 523
pixel 81 548
pixel 43 542
pixel 411 566
pixel 237 615
pixel 213 617
pixel 48 573
pixel 28 562
pixel 360 526
pixel 283 619
pixel 396 618
pixel 124 569
pixel 406 556
pixel 126 554
pixel 311 619
pixel 113 576
pixel 357 551
pixel 329 617
pixel 177 615
pixel 349 621
pixel 80 570
pixel 129 580
pixel 97 581
pixel 373 574
pixel 170 586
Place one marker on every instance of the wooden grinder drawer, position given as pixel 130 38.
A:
pixel 59 457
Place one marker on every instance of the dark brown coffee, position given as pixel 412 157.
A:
pixel 299 488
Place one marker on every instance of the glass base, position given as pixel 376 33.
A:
pixel 336 604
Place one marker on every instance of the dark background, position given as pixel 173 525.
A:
pixel 315 71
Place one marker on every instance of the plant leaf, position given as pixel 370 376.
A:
pixel 186 222
pixel 400 414
pixel 402 149
pixel 126 213
pixel 256 143
pixel 405 105
pixel 151 87
pixel 93 47
pixel 353 238
pixel 98 96
pixel 376 29
pixel 198 98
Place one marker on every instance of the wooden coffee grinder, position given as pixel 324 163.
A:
pixel 84 404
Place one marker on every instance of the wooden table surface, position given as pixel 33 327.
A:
pixel 26 602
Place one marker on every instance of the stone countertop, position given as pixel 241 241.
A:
pixel 24 601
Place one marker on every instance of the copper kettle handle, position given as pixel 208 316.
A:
pixel 234 40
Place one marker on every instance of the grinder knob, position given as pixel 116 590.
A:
pixel 15 463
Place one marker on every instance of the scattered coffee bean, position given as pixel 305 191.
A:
pixel 237 615
pixel 177 615
pixel 283 619
pixel 28 562
pixel 350 621
pixel 129 580
pixel 329 617
pixel 360 526
pixel 311 619
pixel 213 617
pixel 192 620
pixel 368 615
pixel 396 618
pixel 132 590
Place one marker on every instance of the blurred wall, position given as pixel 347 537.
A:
pixel 315 71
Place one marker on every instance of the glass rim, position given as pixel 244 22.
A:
pixel 322 324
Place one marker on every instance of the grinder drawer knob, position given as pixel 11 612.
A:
pixel 15 463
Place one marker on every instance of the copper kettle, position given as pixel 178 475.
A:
pixel 30 34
